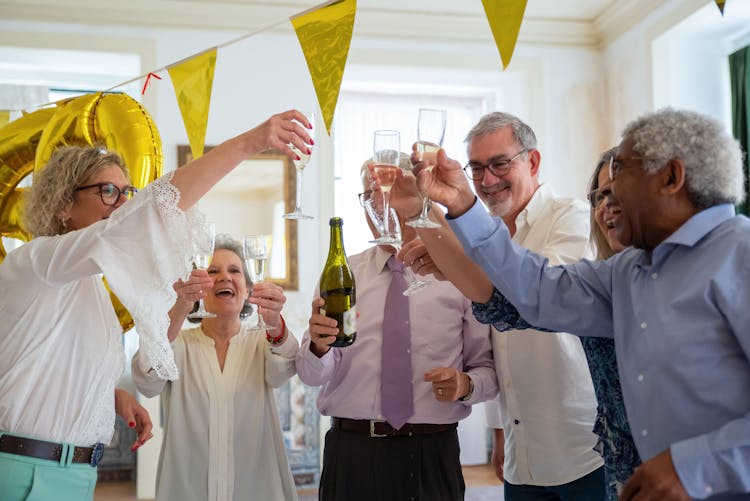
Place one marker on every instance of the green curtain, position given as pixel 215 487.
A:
pixel 739 70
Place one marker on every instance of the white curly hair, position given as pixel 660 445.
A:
pixel 712 157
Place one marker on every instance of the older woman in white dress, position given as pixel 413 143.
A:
pixel 60 340
pixel 222 435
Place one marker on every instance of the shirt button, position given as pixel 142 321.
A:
pixel 516 421
pixel 643 325
pixel 644 433
pixel 640 377
pixel 709 489
pixel 654 276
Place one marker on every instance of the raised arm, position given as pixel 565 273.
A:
pixel 196 178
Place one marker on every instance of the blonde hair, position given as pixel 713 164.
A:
pixel 53 187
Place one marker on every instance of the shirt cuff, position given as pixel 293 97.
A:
pixel 287 349
pixel 474 226
pixel 693 461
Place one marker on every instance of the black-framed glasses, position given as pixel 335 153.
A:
pixel 498 168
pixel 364 197
pixel 110 193
pixel 599 195
pixel 616 164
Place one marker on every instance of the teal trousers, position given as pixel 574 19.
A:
pixel 24 478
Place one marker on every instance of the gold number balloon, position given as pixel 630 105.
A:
pixel 116 121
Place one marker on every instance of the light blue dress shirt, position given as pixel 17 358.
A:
pixel 681 322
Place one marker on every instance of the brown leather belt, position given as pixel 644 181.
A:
pixel 377 428
pixel 49 450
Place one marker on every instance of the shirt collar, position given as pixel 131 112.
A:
pixel 693 230
pixel 381 259
pixel 535 207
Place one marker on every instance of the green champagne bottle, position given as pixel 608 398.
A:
pixel 337 287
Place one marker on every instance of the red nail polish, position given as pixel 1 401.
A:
pixel 312 142
pixel 296 157
pixel 309 151
pixel 131 424
pixel 134 448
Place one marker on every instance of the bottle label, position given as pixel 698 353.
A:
pixel 350 321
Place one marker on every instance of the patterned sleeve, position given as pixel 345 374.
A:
pixel 499 312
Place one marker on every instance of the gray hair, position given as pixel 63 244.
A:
pixel 713 159
pixel 596 236
pixel 225 241
pixel 522 133
pixel 53 187
pixel 404 162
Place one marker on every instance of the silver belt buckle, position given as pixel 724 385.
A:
pixel 372 428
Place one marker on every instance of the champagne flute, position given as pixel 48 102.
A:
pixel 203 251
pixel 299 166
pixel 376 217
pixel 430 133
pixel 386 155
pixel 256 250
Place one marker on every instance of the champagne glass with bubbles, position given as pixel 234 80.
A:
pixel 386 156
pixel 203 251
pixel 257 250
pixel 299 166
pixel 375 214
pixel 430 133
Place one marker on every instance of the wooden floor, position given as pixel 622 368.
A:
pixel 475 476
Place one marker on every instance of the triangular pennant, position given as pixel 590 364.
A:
pixel 325 35
pixel 505 18
pixel 192 80
pixel 4 117
pixel 720 4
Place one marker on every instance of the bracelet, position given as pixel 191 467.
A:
pixel 280 337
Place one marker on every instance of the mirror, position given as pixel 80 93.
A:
pixel 250 200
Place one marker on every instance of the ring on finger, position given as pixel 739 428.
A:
pixel 440 392
pixel 421 261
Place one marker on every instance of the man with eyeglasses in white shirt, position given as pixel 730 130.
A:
pixel 545 412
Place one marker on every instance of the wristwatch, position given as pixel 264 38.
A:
pixel 468 393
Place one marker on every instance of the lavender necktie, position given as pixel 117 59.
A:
pixel 396 388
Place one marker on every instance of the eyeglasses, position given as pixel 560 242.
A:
pixel 599 195
pixel 498 168
pixel 364 197
pixel 615 164
pixel 110 193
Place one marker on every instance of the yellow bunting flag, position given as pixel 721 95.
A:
pixel 325 35
pixel 4 117
pixel 192 80
pixel 505 18
pixel 720 4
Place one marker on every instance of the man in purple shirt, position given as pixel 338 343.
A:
pixel 368 456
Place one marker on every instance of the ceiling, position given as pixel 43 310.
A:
pixel 570 22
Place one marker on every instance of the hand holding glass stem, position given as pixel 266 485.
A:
pixel 256 250
pixel 203 251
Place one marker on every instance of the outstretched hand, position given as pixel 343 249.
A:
pixel 450 186
pixel 278 132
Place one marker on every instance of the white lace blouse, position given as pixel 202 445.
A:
pixel 60 341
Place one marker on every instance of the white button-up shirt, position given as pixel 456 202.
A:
pixel 546 404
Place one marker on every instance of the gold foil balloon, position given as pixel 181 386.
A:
pixel 116 121
pixel 18 142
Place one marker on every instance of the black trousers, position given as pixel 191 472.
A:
pixel 357 467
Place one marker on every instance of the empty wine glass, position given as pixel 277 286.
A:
pixel 376 217
pixel 386 156
pixel 256 250
pixel 203 251
pixel 430 133
pixel 299 165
